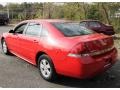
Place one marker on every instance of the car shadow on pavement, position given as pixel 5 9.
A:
pixel 97 82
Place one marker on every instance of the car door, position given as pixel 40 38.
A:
pixel 93 25
pixel 30 41
pixel 13 39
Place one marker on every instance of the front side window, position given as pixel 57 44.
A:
pixel 72 29
pixel 94 24
pixel 33 29
pixel 19 29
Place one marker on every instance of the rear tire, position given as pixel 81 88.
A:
pixel 46 68
pixel 4 47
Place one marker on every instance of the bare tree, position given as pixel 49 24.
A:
pixel 106 13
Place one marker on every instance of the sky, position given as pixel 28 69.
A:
pixel 3 3
pixel 20 1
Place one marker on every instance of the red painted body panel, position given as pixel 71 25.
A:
pixel 86 67
pixel 57 47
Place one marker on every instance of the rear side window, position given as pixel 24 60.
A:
pixel 33 29
pixel 94 24
pixel 72 29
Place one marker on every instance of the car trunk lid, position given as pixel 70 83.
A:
pixel 95 42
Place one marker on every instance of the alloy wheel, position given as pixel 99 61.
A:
pixel 45 68
pixel 4 47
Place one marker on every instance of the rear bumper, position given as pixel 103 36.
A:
pixel 87 67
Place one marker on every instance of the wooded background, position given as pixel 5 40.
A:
pixel 108 12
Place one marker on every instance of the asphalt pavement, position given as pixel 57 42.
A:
pixel 16 73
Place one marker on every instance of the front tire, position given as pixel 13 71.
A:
pixel 46 68
pixel 4 47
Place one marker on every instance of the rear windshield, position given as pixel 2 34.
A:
pixel 72 29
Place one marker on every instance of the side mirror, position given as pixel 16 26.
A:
pixel 11 31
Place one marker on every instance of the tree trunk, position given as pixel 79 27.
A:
pixel 85 12
pixel 106 13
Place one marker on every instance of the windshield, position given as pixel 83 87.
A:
pixel 72 29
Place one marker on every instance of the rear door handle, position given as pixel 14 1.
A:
pixel 35 41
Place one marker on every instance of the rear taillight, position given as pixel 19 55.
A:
pixel 78 51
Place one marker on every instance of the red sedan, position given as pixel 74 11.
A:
pixel 60 47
